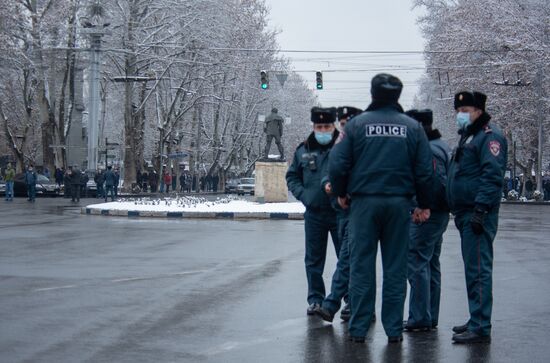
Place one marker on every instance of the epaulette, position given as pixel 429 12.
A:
pixel 487 129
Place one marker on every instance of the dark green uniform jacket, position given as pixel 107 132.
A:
pixel 383 152
pixel 477 168
pixel 306 171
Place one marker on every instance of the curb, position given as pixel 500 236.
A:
pixel 192 215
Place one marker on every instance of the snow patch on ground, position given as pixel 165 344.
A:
pixel 233 206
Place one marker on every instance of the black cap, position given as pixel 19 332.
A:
pixel 347 112
pixel 320 115
pixel 469 98
pixel 425 116
pixel 274 110
pixel 385 87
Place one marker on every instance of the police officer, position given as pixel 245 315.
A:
pixel 474 188
pixel 304 180
pixel 340 278
pixel 273 129
pixel 382 160
pixel 424 271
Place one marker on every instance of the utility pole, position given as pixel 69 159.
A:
pixel 95 28
pixel 540 117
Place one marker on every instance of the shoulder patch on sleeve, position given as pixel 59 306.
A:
pixel 494 147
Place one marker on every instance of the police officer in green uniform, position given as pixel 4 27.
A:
pixel 340 278
pixel 474 188
pixel 382 160
pixel 304 181
pixel 424 273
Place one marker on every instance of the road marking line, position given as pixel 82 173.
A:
pixel 55 288
pixel 251 266
pixel 183 273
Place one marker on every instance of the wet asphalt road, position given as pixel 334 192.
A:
pixel 108 289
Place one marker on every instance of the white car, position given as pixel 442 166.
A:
pixel 246 186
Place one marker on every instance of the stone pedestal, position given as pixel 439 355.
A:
pixel 270 182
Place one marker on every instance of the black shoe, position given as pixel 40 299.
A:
pixel 396 339
pixel 312 307
pixel 434 326
pixel 324 314
pixel 469 337
pixel 415 328
pixel 459 329
pixel 356 339
pixel 345 313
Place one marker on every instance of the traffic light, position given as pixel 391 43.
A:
pixel 319 79
pixel 264 80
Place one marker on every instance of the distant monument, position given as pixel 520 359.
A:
pixel 270 173
pixel 273 128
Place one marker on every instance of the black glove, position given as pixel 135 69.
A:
pixel 477 220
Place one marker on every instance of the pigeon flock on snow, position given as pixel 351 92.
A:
pixel 179 201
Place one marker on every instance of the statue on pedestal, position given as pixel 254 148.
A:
pixel 273 128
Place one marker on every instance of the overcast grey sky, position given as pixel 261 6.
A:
pixel 350 25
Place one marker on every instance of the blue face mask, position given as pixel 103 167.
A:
pixel 323 138
pixel 462 119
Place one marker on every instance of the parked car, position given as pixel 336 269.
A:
pixel 246 186
pixel 231 186
pixel 2 186
pixel 44 186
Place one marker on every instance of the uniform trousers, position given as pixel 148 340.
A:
pixel 318 224
pixel 372 219
pixel 424 272
pixel 477 255
pixel 340 278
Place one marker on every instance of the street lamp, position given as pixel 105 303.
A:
pixel 95 27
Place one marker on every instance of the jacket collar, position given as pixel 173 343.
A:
pixel 378 105
pixel 433 134
pixel 475 127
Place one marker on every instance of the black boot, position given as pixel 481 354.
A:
pixel 459 329
pixel 324 314
pixel 469 337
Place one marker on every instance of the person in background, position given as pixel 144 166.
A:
pixel 117 181
pixel 167 181
pixel 110 183
pixel 99 179
pixel 8 178
pixel 174 178
pixel 144 181
pixel 76 177
pixel 30 181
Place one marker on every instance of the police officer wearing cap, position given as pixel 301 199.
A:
pixel 304 181
pixel 381 162
pixel 424 273
pixel 474 188
pixel 340 278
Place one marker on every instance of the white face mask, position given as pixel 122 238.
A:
pixel 462 120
